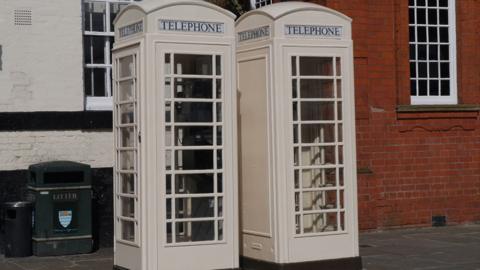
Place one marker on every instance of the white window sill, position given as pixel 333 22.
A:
pixel 99 104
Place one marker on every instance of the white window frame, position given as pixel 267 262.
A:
pixel 254 4
pixel 97 103
pixel 453 97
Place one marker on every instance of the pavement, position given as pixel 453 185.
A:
pixel 455 248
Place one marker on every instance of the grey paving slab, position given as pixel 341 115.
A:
pixel 456 247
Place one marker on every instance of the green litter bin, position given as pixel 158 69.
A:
pixel 62 195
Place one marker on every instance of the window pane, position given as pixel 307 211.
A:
pixel 421 16
pixel 128 207
pixel 194 183
pixel 311 88
pixel 127 160
pixel 318 133
pixel 194 207
pixel 194 159
pixel 193 64
pixel 319 200
pixel 127 137
pixel 94 16
pixel 127 183
pixel 126 90
pixel 434 88
pixel 316 66
pixel 126 68
pixel 196 135
pixel 193 88
pixel 193 112
pixel 317 111
pixel 128 230
pixel 315 223
pixel 95 83
pixel 319 178
pixel 194 231
pixel 127 113
pixel 318 155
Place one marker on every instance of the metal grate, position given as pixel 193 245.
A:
pixel 23 17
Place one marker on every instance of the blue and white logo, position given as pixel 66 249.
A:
pixel 65 218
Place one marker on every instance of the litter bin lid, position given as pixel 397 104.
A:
pixel 19 204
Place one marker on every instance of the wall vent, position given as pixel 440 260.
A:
pixel 22 16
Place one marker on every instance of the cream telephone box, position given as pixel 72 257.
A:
pixel 175 137
pixel 297 169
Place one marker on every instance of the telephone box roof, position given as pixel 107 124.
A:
pixel 278 10
pixel 149 6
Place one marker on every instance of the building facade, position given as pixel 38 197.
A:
pixel 417 98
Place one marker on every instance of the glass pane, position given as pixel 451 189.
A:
pixel 126 113
pixel 220 207
pixel 318 133
pixel 219 112
pixel 318 155
pixel 126 67
pixel 324 222
pixel 94 47
pixel 168 159
pixel 310 88
pixel 422 34
pixel 126 90
pixel 294 66
pixel 341 180
pixel 294 89
pixel 194 207
pixel 432 33
pixel 127 137
pixel 193 88
pixel 339 89
pixel 196 135
pixel 219 159
pixel 432 16
pixel 434 88
pixel 168 88
pixel 168 64
pixel 421 16
pixel 168 184
pixel 128 183
pixel 443 14
pixel 128 230
pixel 128 207
pixel 339 66
pixel 342 221
pixel 295 111
pixel 220 230
pixel 319 178
pixel 95 84
pixel 340 132
pixel 316 66
pixel 127 160
pixel 194 231
pixel 168 136
pixel 319 200
pixel 168 112
pixel 219 183
pixel 444 34
pixel 193 64
pixel 218 64
pixel 193 112
pixel 194 183
pixel 219 88
pixel 219 135
pixel 94 16
pixel 312 111
pixel 193 159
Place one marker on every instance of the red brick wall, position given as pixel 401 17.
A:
pixel 412 165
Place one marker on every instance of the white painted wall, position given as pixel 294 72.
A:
pixel 42 63
pixel 18 150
